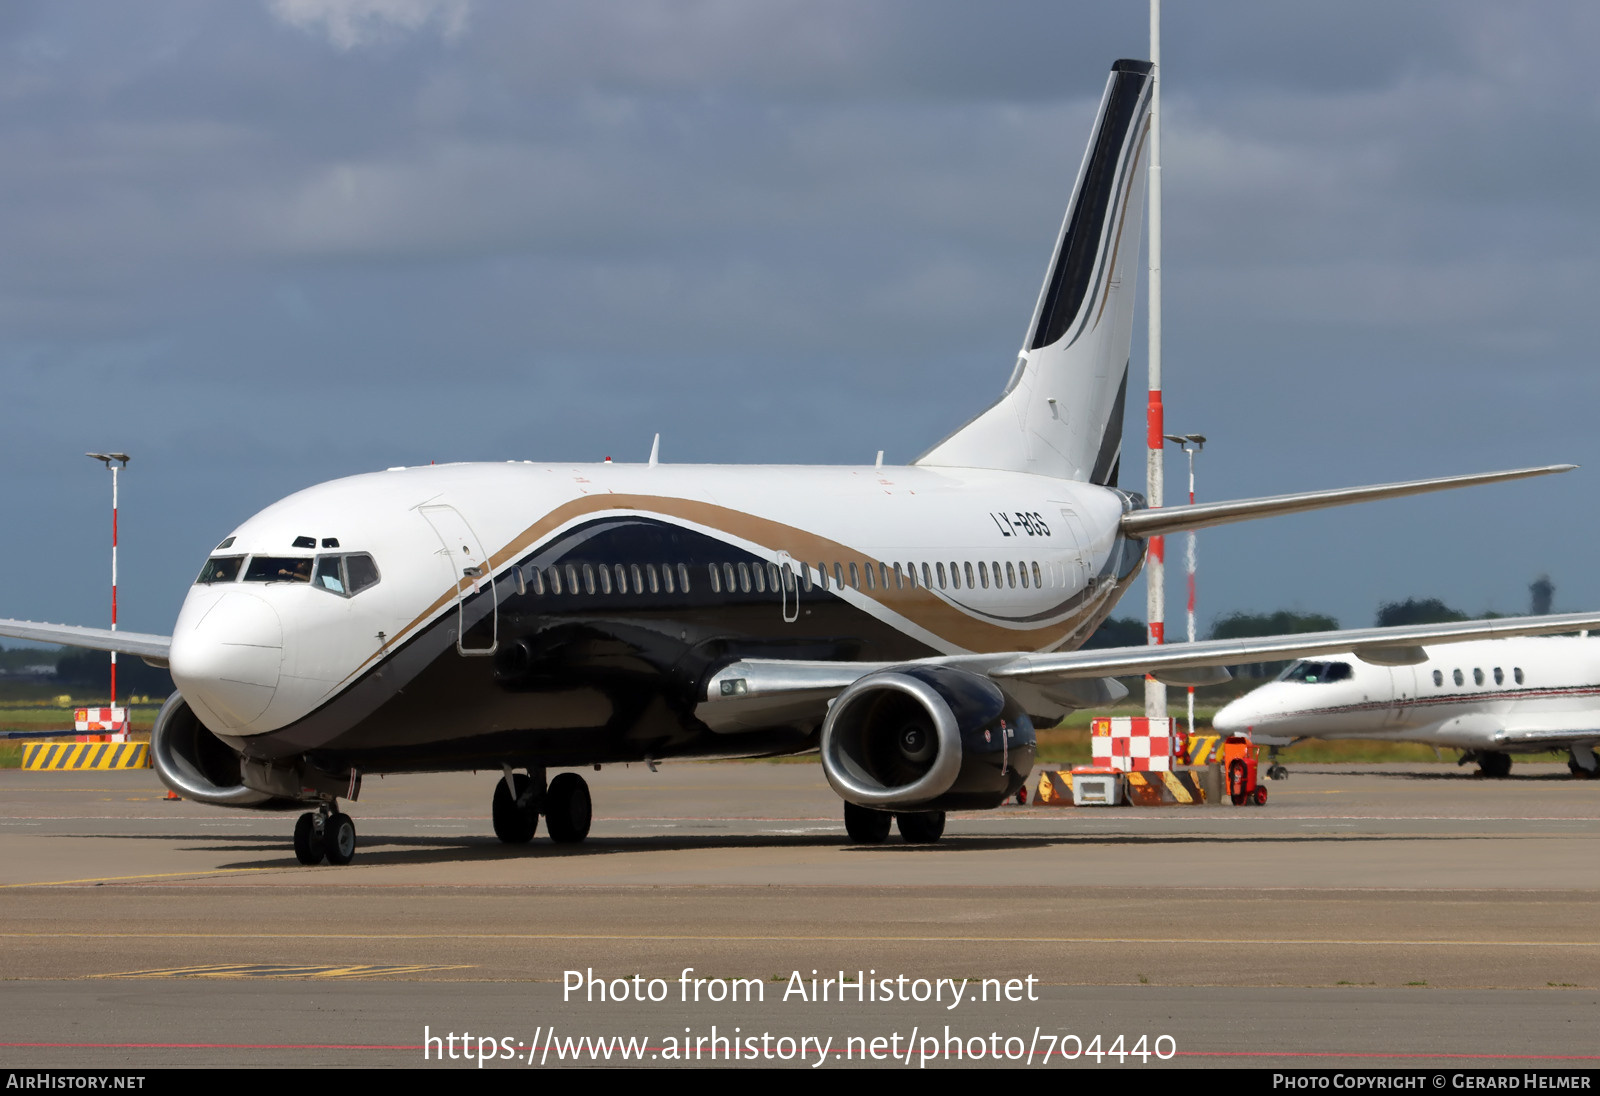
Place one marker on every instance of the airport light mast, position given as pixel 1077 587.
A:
pixel 121 462
pixel 1199 443
pixel 1155 571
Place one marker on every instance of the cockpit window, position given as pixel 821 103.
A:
pixel 1316 673
pixel 278 569
pixel 346 575
pixel 329 574
pixel 220 569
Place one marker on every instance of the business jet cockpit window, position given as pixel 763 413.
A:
pixel 345 575
pixel 1317 673
pixel 219 569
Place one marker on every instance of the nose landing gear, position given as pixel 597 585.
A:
pixel 325 834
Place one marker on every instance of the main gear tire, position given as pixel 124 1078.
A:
pixel 920 827
pixel 866 826
pixel 568 809
pixel 514 824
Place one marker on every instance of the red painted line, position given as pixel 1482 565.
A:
pixel 215 1046
pixel 1375 1054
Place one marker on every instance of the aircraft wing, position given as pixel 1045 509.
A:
pixel 151 648
pixel 753 692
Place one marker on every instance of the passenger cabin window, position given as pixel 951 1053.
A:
pixel 716 578
pixel 970 584
pixel 1499 676
pixel 278 569
pixel 220 569
pixel 1037 584
pixel 1516 673
pixel 1438 678
pixel 1459 680
pixel 1477 677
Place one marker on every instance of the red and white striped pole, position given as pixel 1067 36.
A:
pixel 1199 443
pixel 107 459
pixel 1155 693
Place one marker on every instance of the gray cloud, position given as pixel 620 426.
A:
pixel 262 245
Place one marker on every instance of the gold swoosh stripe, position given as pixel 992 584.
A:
pixel 918 605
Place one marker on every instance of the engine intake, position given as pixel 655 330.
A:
pixel 198 765
pixel 926 738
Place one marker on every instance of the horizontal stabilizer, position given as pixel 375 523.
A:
pixel 152 648
pixel 1176 519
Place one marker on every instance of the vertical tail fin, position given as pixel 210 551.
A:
pixel 1061 413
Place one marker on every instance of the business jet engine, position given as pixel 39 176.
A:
pixel 198 765
pixel 926 738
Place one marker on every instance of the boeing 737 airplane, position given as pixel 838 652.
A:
pixel 910 623
pixel 1489 700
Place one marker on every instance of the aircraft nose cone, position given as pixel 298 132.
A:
pixel 1232 719
pixel 228 661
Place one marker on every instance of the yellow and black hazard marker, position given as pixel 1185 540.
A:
pixel 86 755
pixel 1055 789
pixel 1205 749
pixel 1163 789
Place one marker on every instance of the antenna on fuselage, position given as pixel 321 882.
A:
pixel 655 451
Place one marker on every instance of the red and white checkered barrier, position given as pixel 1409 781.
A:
pixel 1134 743
pixel 102 720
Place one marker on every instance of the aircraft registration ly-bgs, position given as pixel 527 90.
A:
pixel 531 616
pixel 1489 700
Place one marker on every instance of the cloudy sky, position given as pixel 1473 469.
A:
pixel 262 244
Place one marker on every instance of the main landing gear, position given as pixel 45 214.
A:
pixel 1493 763
pixel 565 804
pixel 869 827
pixel 325 833
pixel 1584 763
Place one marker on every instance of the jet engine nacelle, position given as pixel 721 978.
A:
pixel 198 765
pixel 926 738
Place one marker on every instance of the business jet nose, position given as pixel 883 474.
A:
pixel 1235 717
pixel 227 662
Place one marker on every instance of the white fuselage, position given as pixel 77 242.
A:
pixel 1504 695
pixel 975 560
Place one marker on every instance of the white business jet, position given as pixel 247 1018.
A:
pixel 1489 700
pixel 909 622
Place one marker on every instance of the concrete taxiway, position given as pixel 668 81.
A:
pixel 1375 916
